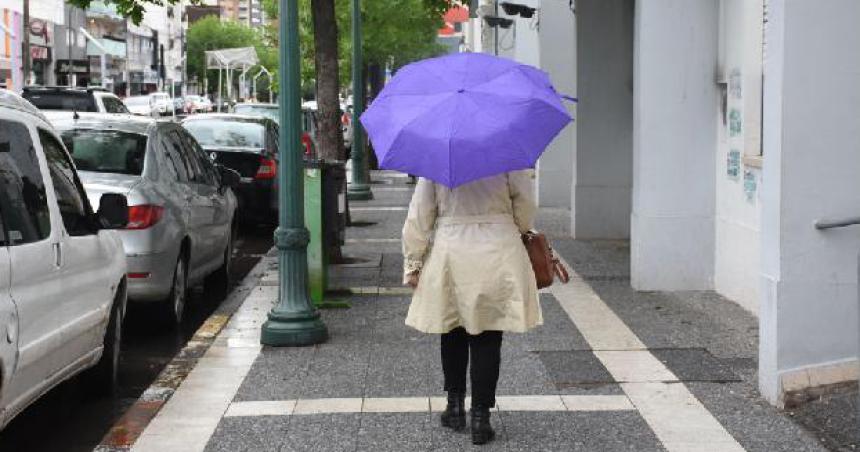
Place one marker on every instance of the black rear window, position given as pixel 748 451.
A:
pixel 64 100
pixel 106 151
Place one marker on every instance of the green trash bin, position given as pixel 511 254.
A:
pixel 325 195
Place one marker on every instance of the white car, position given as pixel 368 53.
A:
pixel 81 100
pixel 61 309
pixel 154 104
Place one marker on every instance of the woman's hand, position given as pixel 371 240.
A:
pixel 412 279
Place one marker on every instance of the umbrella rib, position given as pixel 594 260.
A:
pixel 411 122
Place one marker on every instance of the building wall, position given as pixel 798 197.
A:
pixel 674 141
pixel 808 333
pixel 557 56
pixel 738 175
pixel 604 148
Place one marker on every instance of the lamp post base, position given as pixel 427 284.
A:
pixel 293 330
pixel 359 192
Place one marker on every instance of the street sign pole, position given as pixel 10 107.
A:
pixel 359 189
pixel 293 321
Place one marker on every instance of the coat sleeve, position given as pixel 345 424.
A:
pixel 521 187
pixel 420 222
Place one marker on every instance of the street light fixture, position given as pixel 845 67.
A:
pixel 293 321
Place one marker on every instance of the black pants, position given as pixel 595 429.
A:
pixel 485 350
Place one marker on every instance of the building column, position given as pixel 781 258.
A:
pixel 557 43
pixel 604 141
pixel 808 313
pixel 675 112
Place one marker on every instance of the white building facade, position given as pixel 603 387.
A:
pixel 713 134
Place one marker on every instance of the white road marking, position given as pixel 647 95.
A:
pixel 424 404
pixel 378 208
pixel 678 419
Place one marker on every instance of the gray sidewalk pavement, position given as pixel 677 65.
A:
pixel 610 370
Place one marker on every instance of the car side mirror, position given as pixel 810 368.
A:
pixel 113 211
pixel 229 178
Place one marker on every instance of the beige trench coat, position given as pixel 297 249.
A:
pixel 474 269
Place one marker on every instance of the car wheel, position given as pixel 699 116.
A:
pixel 175 303
pixel 217 285
pixel 104 377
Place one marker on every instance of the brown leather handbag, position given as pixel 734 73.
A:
pixel 545 263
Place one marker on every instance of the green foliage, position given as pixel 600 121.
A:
pixel 210 33
pixel 396 32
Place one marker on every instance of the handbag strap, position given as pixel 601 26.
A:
pixel 560 270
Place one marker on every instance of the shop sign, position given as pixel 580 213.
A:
pixel 39 53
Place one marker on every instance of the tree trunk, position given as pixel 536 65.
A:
pixel 330 138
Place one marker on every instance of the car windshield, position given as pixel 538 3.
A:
pixel 258 110
pixel 64 100
pixel 227 133
pixel 106 151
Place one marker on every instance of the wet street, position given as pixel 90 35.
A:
pixel 69 419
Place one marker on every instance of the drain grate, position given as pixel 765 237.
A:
pixel 575 369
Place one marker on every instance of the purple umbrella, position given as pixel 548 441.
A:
pixel 463 117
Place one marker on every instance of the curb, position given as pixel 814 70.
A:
pixel 125 431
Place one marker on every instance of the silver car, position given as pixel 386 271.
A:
pixel 182 210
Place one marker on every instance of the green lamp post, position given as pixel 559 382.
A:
pixel 359 189
pixel 293 321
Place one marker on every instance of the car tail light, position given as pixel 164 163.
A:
pixel 268 169
pixel 144 216
pixel 344 119
pixel 142 275
pixel 309 144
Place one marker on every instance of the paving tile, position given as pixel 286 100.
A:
pixel 327 406
pixel 578 431
pixel 261 408
pixel 322 433
pixel 277 374
pixel 399 369
pixel 394 432
pixel 336 371
pixel 694 364
pixel 252 434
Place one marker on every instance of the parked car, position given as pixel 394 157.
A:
pixel 182 209
pixel 74 99
pixel 270 111
pixel 197 104
pixel 154 104
pixel 249 145
pixel 62 307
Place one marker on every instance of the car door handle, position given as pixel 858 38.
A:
pixel 58 255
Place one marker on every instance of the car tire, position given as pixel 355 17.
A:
pixel 178 298
pixel 103 379
pixel 217 284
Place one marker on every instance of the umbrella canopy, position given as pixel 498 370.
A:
pixel 463 117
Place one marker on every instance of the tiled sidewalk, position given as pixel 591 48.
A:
pixel 610 370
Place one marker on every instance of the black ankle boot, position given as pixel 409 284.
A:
pixel 482 431
pixel 454 416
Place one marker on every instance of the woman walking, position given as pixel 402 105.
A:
pixel 473 280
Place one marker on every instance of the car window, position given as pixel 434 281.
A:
pixel 22 191
pixel 173 154
pixel 227 133
pixel 63 100
pixel 71 198
pixel 113 105
pixel 204 163
pixel 3 241
pixel 192 167
pixel 106 151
